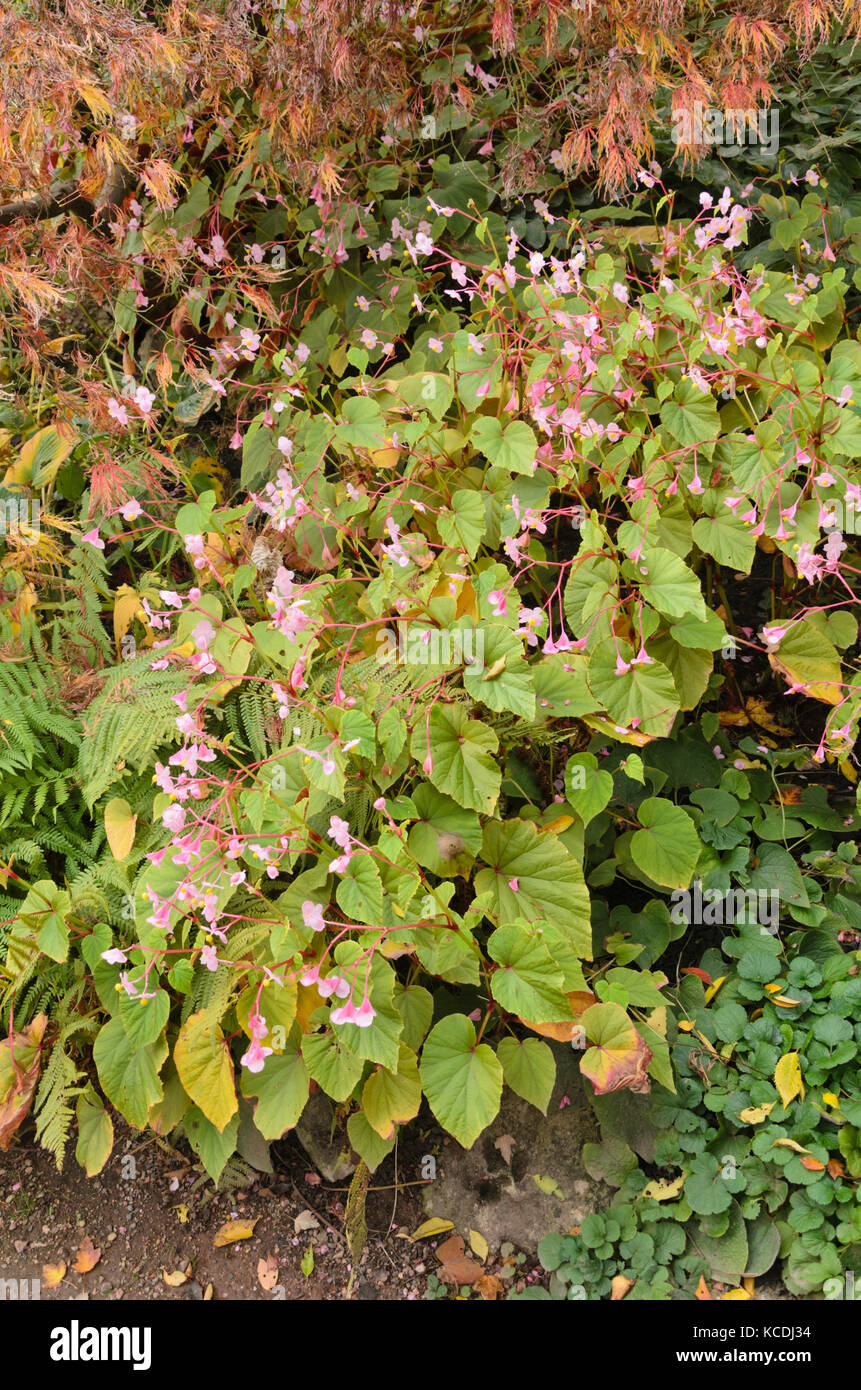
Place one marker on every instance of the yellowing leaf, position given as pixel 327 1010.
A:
pixel 52 1275
pixel 120 826
pixel 785 1002
pixel 787 1078
pixel 234 1230
pixel 181 1212
pixel 478 1245
pixel 755 1114
pixel 175 1278
pixel 789 1144
pixel 556 826
pixel 735 1296
pixel 713 988
pixel 664 1189
pixel 761 715
pixel 620 1284
pixel 434 1227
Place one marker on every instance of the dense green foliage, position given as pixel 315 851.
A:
pixel 437 631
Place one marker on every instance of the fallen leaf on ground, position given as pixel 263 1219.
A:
pixel 234 1230
pixel 88 1256
pixel 267 1273
pixel 433 1227
pixel 489 1286
pixel 182 1212
pixel 703 1291
pixel 505 1143
pixel 478 1245
pixel 174 1278
pixel 305 1221
pixel 207 1293
pixel 735 1296
pixel 620 1285
pixel 812 1164
pixel 456 1265
pixel 52 1275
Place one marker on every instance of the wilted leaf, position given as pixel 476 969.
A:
pixel 664 1189
pixel 489 1286
pixel 234 1230
pixel 18 1082
pixel 52 1275
pixel 620 1285
pixel 505 1143
pixel 181 1212
pixel 456 1265
pixel 619 1056
pixel 305 1221
pixel 434 1227
pixel 267 1273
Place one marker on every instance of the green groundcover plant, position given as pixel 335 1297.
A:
pixel 518 665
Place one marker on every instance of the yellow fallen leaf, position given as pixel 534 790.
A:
pixel 761 715
pixel 749 1283
pixel 789 1144
pixel 713 988
pixel 207 1293
pixel 787 1078
pixel 478 1245
pixel 686 1025
pixel 784 1002
pixel 433 1227
pixel 735 1296
pixel 175 1278
pixel 267 1273
pixel 182 1212
pixel 52 1275
pixel 234 1230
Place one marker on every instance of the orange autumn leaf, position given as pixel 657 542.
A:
pixel 835 1168
pixel 52 1275
pixel 703 1290
pixel 620 1285
pixel 812 1164
pixel 88 1256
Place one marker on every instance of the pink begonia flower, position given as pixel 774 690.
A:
pixel 497 599
pixel 144 400
pixel 209 958
pixel 194 544
pixel 115 956
pixel 132 510
pixel 718 752
pixel 347 1013
pixel 173 818
pixel 774 635
pixel 117 411
pixel 339 831
pixel 255 1057
pixel 365 1014
pixel 513 885
pixel 312 915
pixel 93 538
pixel 621 666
